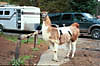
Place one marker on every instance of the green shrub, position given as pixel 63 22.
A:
pixel 19 61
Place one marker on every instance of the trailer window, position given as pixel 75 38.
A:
pixel 7 12
pixel 1 12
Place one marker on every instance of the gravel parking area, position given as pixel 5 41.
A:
pixel 87 54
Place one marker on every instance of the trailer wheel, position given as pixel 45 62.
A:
pixel 1 28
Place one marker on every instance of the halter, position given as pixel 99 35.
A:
pixel 44 15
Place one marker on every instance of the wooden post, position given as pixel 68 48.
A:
pixel 28 39
pixel 17 48
pixel 35 40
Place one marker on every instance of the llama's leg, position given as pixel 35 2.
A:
pixel 73 48
pixel 69 49
pixel 55 52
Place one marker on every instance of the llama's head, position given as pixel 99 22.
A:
pixel 75 24
pixel 44 14
pixel 45 18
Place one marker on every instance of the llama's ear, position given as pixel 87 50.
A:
pixel 46 12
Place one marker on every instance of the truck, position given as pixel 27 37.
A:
pixel 89 25
pixel 19 18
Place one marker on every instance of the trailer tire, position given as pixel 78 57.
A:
pixel 1 28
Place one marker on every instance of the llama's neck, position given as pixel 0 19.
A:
pixel 45 33
pixel 47 21
pixel 46 24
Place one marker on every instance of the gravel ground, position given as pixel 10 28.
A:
pixel 87 54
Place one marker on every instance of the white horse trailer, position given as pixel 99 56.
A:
pixel 21 18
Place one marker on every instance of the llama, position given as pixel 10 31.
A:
pixel 58 36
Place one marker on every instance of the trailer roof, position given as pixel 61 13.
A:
pixel 18 7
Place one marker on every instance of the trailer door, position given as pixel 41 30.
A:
pixel 18 18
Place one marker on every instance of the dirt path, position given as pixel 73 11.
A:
pixel 87 54
pixel 7 51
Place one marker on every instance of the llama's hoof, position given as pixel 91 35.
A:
pixel 55 60
pixel 65 60
pixel 71 58
pixel 66 57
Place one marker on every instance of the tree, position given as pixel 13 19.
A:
pixel 60 5
pixel 84 6
pixel 3 0
pixel 22 2
pixel 98 8
pixel 55 5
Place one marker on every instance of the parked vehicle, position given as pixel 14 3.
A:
pixel 20 18
pixel 88 24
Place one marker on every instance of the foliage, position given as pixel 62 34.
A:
pixel 19 61
pixel 98 8
pixel 55 5
pixel 22 2
pixel 84 6
pixel 60 5
pixel 4 0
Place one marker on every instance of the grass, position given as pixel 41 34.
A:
pixel 30 40
pixel 11 38
pixel 40 41
pixel 1 33
pixel 14 39
pixel 35 49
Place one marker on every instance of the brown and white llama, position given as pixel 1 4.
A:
pixel 62 35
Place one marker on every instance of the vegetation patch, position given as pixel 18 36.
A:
pixel 20 61
pixel 35 49
pixel 14 38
